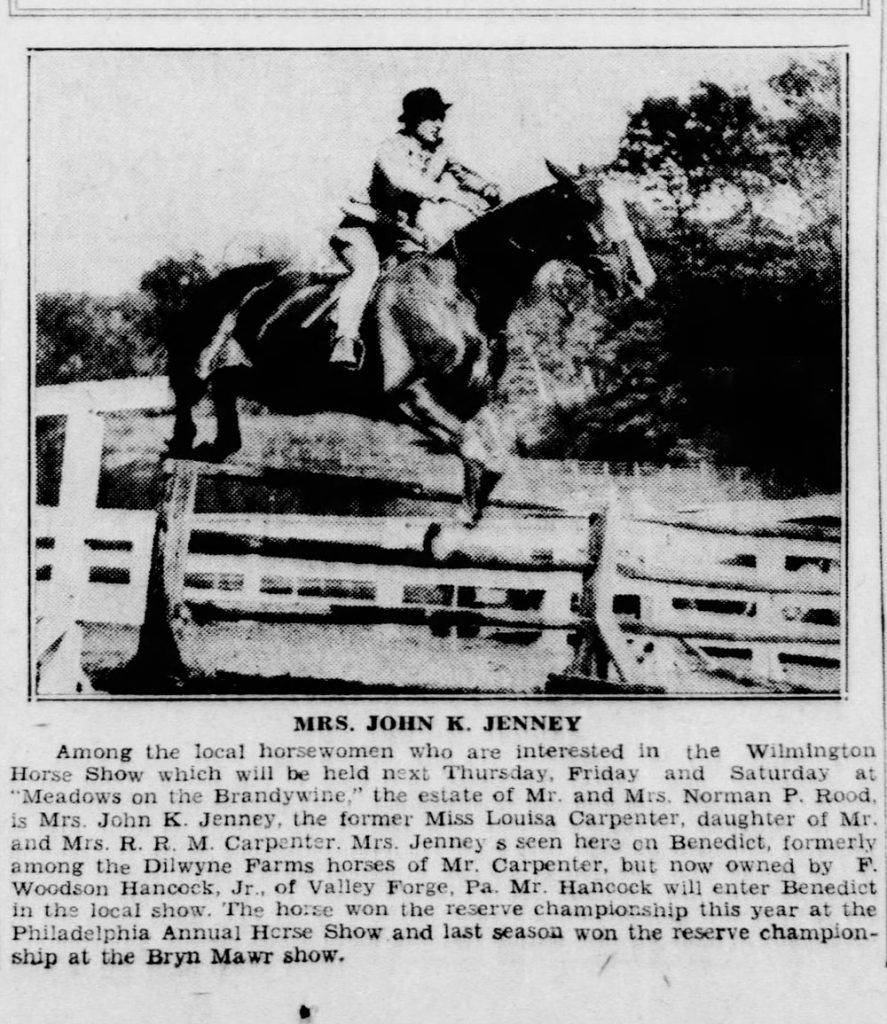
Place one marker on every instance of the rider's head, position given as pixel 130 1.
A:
pixel 423 116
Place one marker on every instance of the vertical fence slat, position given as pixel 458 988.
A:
pixel 59 663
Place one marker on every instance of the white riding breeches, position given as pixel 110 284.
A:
pixel 357 250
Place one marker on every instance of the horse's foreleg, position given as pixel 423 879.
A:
pixel 481 472
pixel 484 454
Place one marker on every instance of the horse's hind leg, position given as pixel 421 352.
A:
pixel 481 473
pixel 187 394
pixel 225 385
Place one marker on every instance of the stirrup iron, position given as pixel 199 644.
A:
pixel 347 360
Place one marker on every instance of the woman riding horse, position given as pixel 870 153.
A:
pixel 434 329
pixel 412 174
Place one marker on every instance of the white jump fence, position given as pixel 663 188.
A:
pixel 79 548
pixel 744 592
pixel 536 599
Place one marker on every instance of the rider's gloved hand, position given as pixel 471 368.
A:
pixel 470 201
pixel 492 195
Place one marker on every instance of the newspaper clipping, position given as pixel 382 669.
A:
pixel 441 537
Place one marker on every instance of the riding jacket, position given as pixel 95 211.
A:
pixel 406 174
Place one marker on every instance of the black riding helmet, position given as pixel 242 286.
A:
pixel 423 105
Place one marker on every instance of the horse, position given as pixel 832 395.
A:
pixel 433 333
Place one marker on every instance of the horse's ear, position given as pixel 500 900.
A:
pixel 559 173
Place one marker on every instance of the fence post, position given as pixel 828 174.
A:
pixel 166 616
pixel 590 657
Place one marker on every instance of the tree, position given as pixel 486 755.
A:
pixel 738 350
pixel 718 160
pixel 86 337
pixel 745 200
pixel 89 337
pixel 587 370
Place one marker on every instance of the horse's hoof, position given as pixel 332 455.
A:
pixel 179 450
pixel 468 517
pixel 207 453
pixel 488 481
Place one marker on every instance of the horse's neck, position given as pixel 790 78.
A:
pixel 497 258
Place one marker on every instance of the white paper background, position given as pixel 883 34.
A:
pixel 661 985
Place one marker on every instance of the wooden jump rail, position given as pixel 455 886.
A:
pixel 431 543
pixel 81 550
pixel 282 475
pixel 747 594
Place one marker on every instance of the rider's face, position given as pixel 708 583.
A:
pixel 429 131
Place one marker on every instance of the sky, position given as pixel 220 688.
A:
pixel 140 155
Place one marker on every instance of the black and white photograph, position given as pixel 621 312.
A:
pixel 513 373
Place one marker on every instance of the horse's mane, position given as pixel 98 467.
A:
pixel 525 214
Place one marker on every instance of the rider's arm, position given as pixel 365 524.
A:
pixel 396 165
pixel 470 180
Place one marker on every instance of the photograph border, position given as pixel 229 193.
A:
pixel 842 694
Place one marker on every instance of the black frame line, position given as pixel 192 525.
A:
pixel 29 403
pixel 879 419
pixel 864 9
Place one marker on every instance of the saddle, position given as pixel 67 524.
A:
pixel 262 307
pixel 315 295
pixel 266 305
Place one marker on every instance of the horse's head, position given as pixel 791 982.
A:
pixel 597 233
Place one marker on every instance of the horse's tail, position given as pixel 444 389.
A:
pixel 185 333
